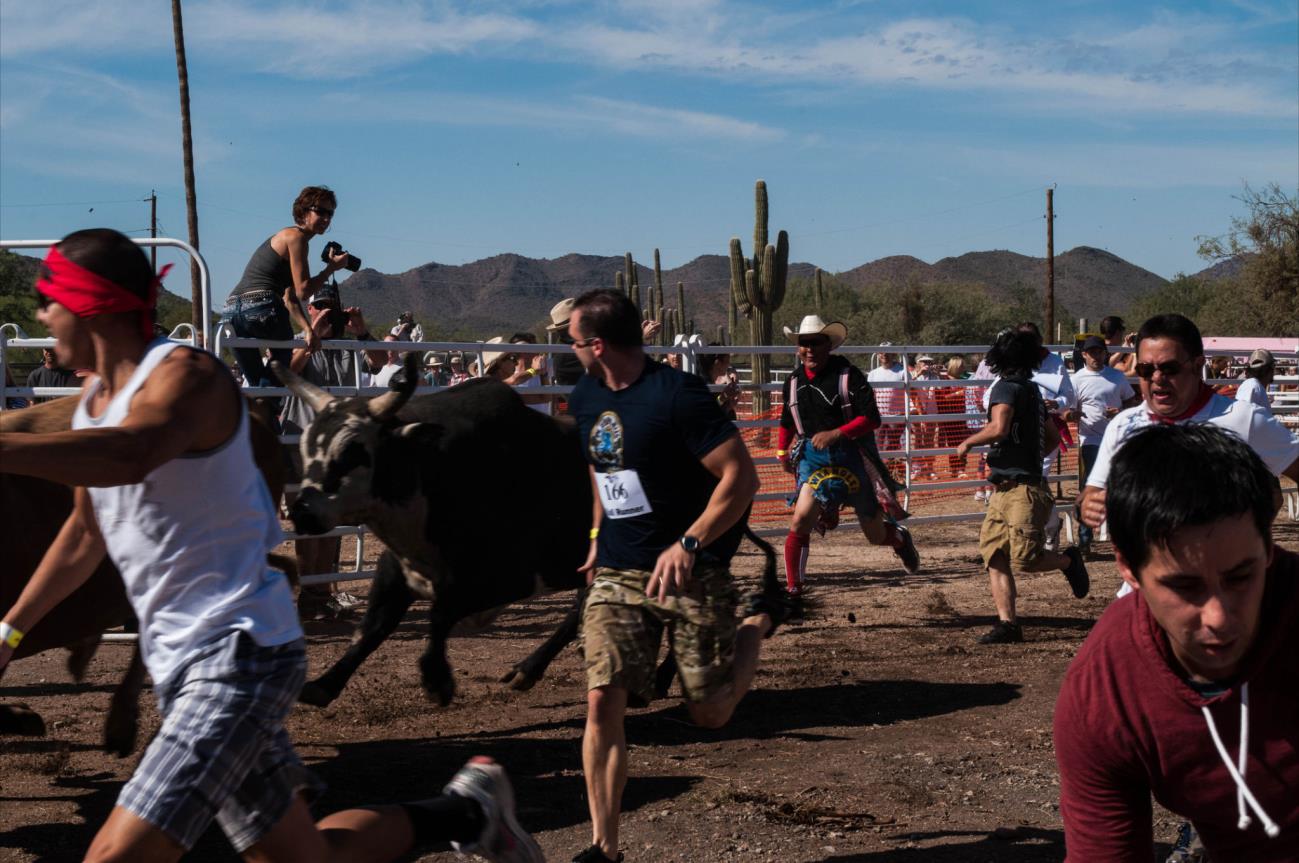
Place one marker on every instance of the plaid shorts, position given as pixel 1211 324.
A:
pixel 222 751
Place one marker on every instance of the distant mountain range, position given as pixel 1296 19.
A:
pixel 507 292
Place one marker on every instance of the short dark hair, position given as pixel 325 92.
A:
pixel 1179 328
pixel 1030 327
pixel 523 338
pixel 609 315
pixel 114 256
pixel 1167 477
pixel 313 196
pixel 1014 353
pixel 1111 326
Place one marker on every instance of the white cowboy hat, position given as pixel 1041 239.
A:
pixel 491 358
pixel 812 325
pixel 560 313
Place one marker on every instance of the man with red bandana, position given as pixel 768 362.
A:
pixel 1170 364
pixel 827 439
pixel 164 484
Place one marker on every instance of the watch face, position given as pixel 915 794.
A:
pixel 690 544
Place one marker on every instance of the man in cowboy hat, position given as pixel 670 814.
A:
pixel 827 440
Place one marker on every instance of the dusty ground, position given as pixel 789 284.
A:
pixel 878 729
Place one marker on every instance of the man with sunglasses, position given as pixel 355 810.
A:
pixel 827 440
pixel 1170 365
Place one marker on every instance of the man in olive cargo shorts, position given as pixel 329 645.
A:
pixel 673 484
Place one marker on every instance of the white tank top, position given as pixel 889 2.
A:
pixel 191 541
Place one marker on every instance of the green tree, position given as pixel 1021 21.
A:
pixel 1263 299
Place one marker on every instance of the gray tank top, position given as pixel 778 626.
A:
pixel 266 271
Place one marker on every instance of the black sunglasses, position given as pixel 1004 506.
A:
pixel 814 342
pixel 322 211
pixel 1168 369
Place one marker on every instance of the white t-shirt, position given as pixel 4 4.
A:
pixel 384 375
pixel 1098 391
pixel 1265 435
pixel 539 407
pixel 889 401
pixel 1254 392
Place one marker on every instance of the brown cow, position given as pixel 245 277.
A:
pixel 32 511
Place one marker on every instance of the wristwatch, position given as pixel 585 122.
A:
pixel 689 543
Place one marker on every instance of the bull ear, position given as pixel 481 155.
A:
pixel 313 395
pixel 386 406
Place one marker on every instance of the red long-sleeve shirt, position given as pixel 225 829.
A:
pixel 1128 726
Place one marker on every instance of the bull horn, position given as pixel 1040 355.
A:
pixel 386 406
pixel 313 395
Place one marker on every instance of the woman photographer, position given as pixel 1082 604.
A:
pixel 268 301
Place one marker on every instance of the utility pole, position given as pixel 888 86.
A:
pixel 187 145
pixel 1048 301
pixel 153 228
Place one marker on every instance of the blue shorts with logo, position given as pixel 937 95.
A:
pixel 837 477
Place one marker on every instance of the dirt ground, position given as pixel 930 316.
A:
pixel 878 730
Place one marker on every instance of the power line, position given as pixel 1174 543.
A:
pixel 79 203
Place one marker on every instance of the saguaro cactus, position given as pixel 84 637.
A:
pixel 818 293
pixel 758 286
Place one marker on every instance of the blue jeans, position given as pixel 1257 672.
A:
pixel 1086 458
pixel 259 315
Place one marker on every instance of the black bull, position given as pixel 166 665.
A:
pixel 480 501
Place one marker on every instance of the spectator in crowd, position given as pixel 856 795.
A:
pixel 1113 330
pixel 50 374
pixel 1170 364
pixel 888 371
pixel 165 487
pixel 392 368
pixel 1204 649
pixel 530 372
pixel 1219 368
pixel 716 370
pixel 1013 536
pixel 568 369
pixel 674 482
pixel 458 374
pixel 13 402
pixel 951 400
pixel 406 329
pixel 1102 393
pixel 1258 377
pixel 498 364
pixel 436 373
pixel 267 301
pixel 975 404
pixel 827 441
pixel 924 401
pixel 325 368
pixel 672 361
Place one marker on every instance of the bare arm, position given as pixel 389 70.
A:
pixel 597 516
pixel 188 404
pixel 997 427
pixel 730 462
pixel 303 285
pixel 68 562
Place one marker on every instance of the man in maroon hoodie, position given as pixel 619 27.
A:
pixel 1186 689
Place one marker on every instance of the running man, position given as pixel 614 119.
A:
pixel 165 485
pixel 1102 393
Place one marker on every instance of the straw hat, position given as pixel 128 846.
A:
pixel 560 313
pixel 491 358
pixel 812 325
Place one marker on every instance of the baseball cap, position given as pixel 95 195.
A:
pixel 1261 359
pixel 1093 342
pixel 326 293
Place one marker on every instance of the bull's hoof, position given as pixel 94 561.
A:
pixel 442 691
pixel 20 719
pixel 316 695
pixel 520 679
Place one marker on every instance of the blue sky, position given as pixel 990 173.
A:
pixel 453 131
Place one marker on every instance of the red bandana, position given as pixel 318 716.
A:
pixel 1201 399
pixel 87 294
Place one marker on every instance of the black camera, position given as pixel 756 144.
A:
pixel 332 248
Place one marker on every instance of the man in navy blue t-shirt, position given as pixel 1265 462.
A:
pixel 673 485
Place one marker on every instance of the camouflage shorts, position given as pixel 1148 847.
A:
pixel 622 628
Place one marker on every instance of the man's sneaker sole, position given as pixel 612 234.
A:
pixel 503 840
pixel 1003 632
pixel 907 553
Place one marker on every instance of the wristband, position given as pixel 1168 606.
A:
pixel 595 531
pixel 11 635
pixel 781 453
pixel 532 373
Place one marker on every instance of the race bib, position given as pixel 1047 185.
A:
pixel 622 495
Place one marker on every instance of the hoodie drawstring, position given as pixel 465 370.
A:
pixel 1243 794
